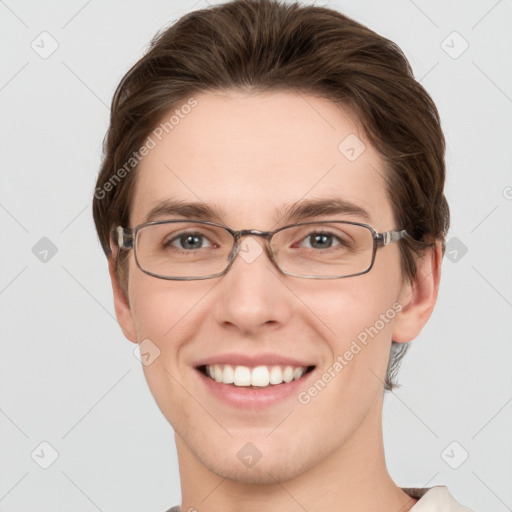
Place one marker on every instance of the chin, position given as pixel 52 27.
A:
pixel 267 471
pixel 243 462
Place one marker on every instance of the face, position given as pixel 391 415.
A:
pixel 249 157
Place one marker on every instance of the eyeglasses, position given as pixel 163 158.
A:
pixel 187 250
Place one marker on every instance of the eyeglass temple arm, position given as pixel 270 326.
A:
pixel 390 236
pixel 124 238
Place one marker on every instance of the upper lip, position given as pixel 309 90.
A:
pixel 252 361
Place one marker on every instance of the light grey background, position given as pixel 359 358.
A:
pixel 70 379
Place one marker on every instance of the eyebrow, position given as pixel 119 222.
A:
pixel 189 210
pixel 295 212
pixel 303 210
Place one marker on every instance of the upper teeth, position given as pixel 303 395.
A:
pixel 259 376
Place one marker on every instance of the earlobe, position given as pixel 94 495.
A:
pixel 419 296
pixel 121 303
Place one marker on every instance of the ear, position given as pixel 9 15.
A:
pixel 418 297
pixel 121 303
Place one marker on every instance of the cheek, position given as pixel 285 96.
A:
pixel 348 307
pixel 148 309
pixel 356 317
pixel 160 312
pixel 160 307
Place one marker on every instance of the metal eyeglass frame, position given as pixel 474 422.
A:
pixel 127 237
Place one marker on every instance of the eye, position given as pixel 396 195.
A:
pixel 188 241
pixel 320 240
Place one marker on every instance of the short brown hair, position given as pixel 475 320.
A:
pixel 266 45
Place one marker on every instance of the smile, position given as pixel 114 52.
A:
pixel 259 376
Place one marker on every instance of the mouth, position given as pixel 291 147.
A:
pixel 257 377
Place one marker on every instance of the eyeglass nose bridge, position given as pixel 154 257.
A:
pixel 253 232
pixel 238 235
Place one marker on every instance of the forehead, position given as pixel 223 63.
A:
pixel 249 156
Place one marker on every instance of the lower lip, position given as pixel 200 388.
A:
pixel 253 397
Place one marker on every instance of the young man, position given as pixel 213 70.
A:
pixel 271 205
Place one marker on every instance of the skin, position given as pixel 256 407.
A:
pixel 268 150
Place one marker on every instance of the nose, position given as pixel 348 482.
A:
pixel 252 295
